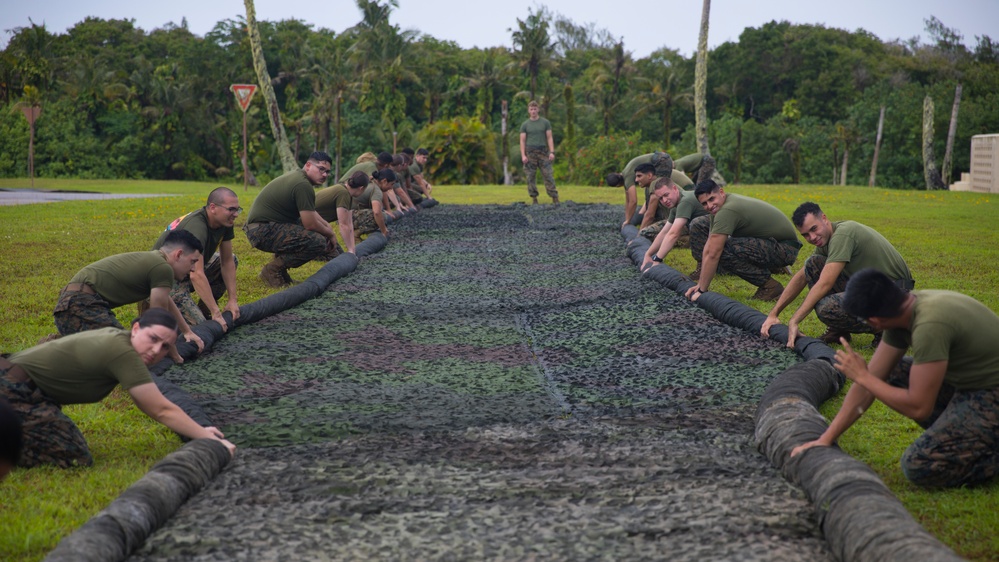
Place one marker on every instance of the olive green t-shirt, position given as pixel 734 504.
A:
pixel 949 326
pixel 677 177
pixel 629 170
pixel 366 167
pixel 688 208
pixel 859 247
pixel 415 169
pixel 330 199
pixel 536 132
pixel 197 224
pixel 84 367
pixel 370 193
pixel 283 198
pixel 745 217
pixel 127 278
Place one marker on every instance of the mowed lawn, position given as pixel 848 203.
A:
pixel 950 241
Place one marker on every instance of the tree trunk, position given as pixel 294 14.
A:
pixel 877 147
pixel 948 152
pixel 667 125
pixel 338 131
pixel 835 170
pixel 288 162
pixel 701 83
pixel 846 158
pixel 569 142
pixel 738 153
pixel 506 144
pixel 930 171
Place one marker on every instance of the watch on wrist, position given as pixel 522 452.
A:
pixel 657 259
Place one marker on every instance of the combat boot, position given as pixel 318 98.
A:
pixel 534 200
pixel 833 335
pixel 707 171
pixel 770 291
pixel 275 274
pixel 555 201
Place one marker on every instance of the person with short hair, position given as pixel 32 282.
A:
pixel 87 302
pixel 537 152
pixel 662 165
pixel 416 170
pixel 83 368
pixel 369 208
pixel 683 208
pixel 383 161
pixel 746 237
pixel 401 168
pixel 213 226
pixel 841 249
pixel 283 221
pixel 949 386
pixel 335 204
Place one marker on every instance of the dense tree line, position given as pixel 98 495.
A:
pixel 787 103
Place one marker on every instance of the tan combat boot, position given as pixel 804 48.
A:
pixel 534 200
pixel 274 273
pixel 770 291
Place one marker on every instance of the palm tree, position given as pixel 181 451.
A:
pixel 611 78
pixel 288 161
pixel 701 83
pixel 660 89
pixel 535 47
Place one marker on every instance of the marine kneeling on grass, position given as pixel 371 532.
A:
pixel 950 385
pixel 83 368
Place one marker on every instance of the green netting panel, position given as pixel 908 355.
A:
pixel 498 383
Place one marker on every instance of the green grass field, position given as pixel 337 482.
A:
pixel 948 239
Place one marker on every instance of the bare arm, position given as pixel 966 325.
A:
pixel 630 203
pixel 229 278
pixel 551 145
pixel 345 219
pixel 665 240
pixel 376 209
pixel 151 401
pixel 709 262
pixel 857 400
pixel 650 212
pixel 159 297
pixel 311 220
pixel 791 292
pixel 523 147
pixel 830 272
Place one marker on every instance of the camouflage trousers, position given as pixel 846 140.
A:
pixel 79 311
pixel 415 195
pixel 537 159
pixel 751 259
pixel 697 167
pixel 183 293
pixel 960 446
pixel 293 243
pixel 364 221
pixel 50 437
pixel 654 229
pixel 829 309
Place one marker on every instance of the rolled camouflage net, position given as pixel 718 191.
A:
pixel 860 517
pixel 121 527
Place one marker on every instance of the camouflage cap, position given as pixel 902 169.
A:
pixel 663 163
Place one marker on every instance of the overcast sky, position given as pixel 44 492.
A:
pixel 644 25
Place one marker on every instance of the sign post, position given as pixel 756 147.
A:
pixel 244 93
pixel 31 113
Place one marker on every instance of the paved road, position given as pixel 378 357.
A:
pixel 9 196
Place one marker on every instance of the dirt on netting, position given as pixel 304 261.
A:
pixel 498 383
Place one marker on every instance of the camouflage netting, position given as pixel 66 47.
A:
pixel 497 383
